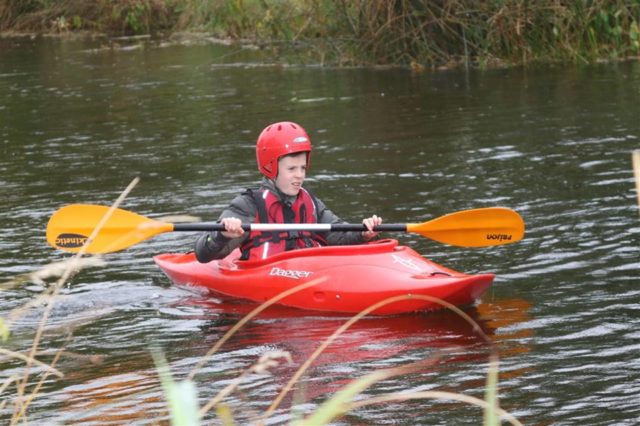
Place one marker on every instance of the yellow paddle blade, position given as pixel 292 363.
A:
pixel 71 226
pixel 489 226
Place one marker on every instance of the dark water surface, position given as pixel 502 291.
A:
pixel 78 122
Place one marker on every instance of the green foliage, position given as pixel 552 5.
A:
pixel 77 22
pixel 135 17
pixel 450 32
pixel 112 16
pixel 141 16
pixel 338 404
pixel 181 396
pixel 634 37
pixel 4 330
pixel 491 417
pixel 365 32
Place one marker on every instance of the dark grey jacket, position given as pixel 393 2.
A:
pixel 213 245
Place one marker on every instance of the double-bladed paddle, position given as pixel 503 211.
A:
pixel 69 228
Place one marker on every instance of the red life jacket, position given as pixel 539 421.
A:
pixel 260 244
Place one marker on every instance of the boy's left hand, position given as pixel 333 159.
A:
pixel 370 223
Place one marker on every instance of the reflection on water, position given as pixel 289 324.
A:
pixel 115 399
pixel 78 123
pixel 373 343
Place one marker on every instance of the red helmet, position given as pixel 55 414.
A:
pixel 277 140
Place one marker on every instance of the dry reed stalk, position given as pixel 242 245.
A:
pixel 22 407
pixel 247 318
pixel 341 401
pixel 439 395
pixel 52 270
pixel 36 389
pixel 303 368
pixel 266 361
pixel 636 172
pixel 27 359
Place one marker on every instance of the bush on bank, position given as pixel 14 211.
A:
pixel 364 32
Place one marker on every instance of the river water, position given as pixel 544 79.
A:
pixel 80 119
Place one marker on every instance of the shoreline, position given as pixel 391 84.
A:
pixel 187 38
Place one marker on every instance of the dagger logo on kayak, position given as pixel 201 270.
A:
pixel 71 240
pixel 289 273
pixel 499 237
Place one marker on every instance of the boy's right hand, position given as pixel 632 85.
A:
pixel 233 227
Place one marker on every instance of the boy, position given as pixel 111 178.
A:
pixel 283 152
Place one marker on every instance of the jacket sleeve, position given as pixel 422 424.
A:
pixel 214 245
pixel 336 238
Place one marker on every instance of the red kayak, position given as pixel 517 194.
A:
pixel 356 278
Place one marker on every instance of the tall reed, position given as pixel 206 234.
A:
pixel 343 400
pixel 367 32
pixel 26 388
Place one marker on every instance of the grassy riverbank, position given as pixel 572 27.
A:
pixel 364 32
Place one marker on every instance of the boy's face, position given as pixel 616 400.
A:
pixel 292 170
